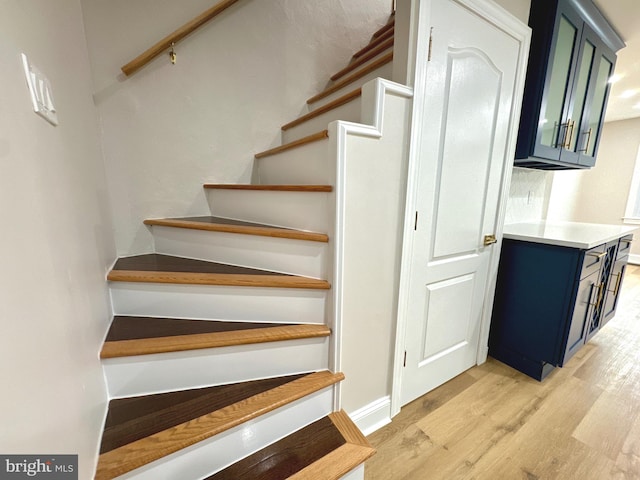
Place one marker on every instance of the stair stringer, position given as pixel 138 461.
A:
pixel 379 141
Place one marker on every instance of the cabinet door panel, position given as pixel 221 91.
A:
pixel 590 133
pixel 579 96
pixel 613 290
pixel 597 314
pixel 552 125
pixel 585 301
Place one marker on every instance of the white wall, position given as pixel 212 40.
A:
pixel 56 241
pixel 168 129
pixel 599 195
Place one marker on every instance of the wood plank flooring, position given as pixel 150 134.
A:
pixel 494 423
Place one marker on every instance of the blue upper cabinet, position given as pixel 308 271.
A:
pixel 571 60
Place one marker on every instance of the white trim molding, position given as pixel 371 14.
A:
pixel 372 117
pixel 374 416
pixel 634 259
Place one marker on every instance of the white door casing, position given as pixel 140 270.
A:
pixel 465 118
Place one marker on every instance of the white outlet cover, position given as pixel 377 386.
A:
pixel 40 91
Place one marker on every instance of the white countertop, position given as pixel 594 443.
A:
pixel 566 234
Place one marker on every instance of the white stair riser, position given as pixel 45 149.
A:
pixel 158 373
pixel 296 257
pixel 212 455
pixel 349 112
pixel 384 72
pixel 303 165
pixel 355 474
pixel 299 210
pixel 207 302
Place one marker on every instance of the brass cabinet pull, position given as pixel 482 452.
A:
pixel 616 289
pixel 598 296
pixel 489 240
pixel 570 126
pixel 568 132
pixel 599 256
pixel 588 134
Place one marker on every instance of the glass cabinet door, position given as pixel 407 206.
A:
pixel 579 95
pixel 597 101
pixel 552 128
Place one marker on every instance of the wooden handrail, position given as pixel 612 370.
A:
pixel 144 58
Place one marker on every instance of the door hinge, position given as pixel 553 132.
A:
pixel 415 223
pixel 404 363
pixel 430 44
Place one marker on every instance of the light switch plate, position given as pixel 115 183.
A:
pixel 40 91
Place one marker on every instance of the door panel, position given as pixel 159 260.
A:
pixel 444 300
pixel 469 118
pixel 468 98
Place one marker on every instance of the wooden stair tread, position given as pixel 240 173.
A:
pixel 129 336
pixel 269 188
pixel 374 43
pixel 370 55
pixel 319 450
pixel 324 109
pixel 296 143
pixel 157 268
pixel 227 225
pixel 387 58
pixel 143 429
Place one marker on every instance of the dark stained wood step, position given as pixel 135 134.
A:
pixel 321 450
pixel 227 225
pixel 147 335
pixel 370 55
pixel 288 456
pixel 324 109
pixel 374 43
pixel 130 419
pixel 157 268
pixel 387 58
pixel 269 188
pixel 297 143
pixel 143 429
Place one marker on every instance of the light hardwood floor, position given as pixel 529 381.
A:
pixel 492 422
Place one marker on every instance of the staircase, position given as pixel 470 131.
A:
pixel 219 359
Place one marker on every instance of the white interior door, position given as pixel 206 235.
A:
pixel 470 84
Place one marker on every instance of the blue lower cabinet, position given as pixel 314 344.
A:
pixel 549 301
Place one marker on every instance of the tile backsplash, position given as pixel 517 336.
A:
pixel 528 195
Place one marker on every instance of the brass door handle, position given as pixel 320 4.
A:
pixel 489 240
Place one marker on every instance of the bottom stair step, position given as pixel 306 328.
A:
pixel 325 450
pixel 141 430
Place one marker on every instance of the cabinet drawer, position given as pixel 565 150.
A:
pixel 625 246
pixel 593 260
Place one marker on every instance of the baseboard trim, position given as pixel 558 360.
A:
pixel 634 259
pixel 373 416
